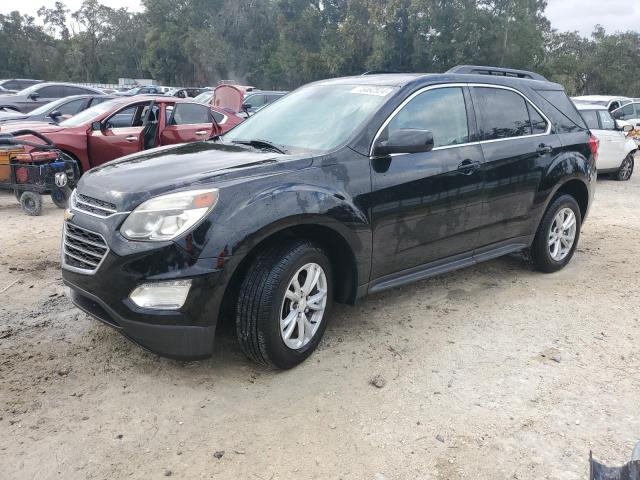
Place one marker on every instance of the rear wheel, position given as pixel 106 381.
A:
pixel 284 304
pixel 626 169
pixel 558 235
pixel 31 203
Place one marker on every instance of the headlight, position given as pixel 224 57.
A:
pixel 166 217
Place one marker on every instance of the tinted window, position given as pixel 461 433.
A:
pixel 256 101
pixel 97 100
pixel 501 113
pixel 76 91
pixel 54 91
pixel 569 119
pixel 123 118
pixel 72 107
pixel 218 116
pixel 441 111
pixel 190 113
pixel 591 117
pixel 606 120
pixel 538 123
pixel 14 85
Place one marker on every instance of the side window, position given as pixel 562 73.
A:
pixel 13 85
pixel 442 111
pixel 607 121
pixel 123 118
pixel 625 112
pixel 501 113
pixel 72 107
pixel 190 113
pixel 591 117
pixel 637 115
pixel 256 101
pixel 218 117
pixel 614 105
pixel 53 91
pixel 97 100
pixel 538 123
pixel 567 118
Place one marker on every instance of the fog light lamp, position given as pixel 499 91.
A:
pixel 161 295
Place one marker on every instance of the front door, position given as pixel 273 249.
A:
pixel 518 146
pixel 121 134
pixel 187 122
pixel 425 205
pixel 612 142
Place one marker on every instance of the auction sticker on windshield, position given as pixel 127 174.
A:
pixel 372 90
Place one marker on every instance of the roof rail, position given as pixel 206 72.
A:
pixel 498 71
pixel 382 72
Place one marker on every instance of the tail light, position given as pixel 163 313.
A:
pixel 594 143
pixel 35 157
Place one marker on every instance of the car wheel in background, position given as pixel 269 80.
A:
pixel 284 303
pixel 60 196
pixel 557 235
pixel 626 169
pixel 31 203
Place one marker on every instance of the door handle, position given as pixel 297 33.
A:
pixel 543 149
pixel 467 167
pixel 131 138
pixel 202 132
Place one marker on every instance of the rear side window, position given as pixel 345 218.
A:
pixel 501 114
pixel 591 117
pixel 606 120
pixel 52 92
pixel 441 111
pixel 569 119
pixel 72 107
pixel 190 113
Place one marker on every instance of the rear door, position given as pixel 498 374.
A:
pixel 425 205
pixel 121 134
pixel 187 122
pixel 606 152
pixel 517 147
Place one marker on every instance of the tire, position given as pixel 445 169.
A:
pixel 262 305
pixel 60 197
pixel 31 203
pixel 542 251
pixel 626 169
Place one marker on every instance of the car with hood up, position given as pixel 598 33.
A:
pixel 42 93
pixel 127 125
pixel 56 111
pixel 342 188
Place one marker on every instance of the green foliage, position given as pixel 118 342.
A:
pixel 286 43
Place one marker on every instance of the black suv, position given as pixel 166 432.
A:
pixel 342 188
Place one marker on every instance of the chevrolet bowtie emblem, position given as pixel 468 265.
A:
pixel 68 215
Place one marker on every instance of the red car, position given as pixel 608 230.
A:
pixel 123 126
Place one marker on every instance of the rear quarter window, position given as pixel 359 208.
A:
pixel 569 119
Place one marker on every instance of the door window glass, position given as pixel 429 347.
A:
pixel 218 117
pixel 51 92
pixel 591 117
pixel 72 107
pixel 256 101
pixel 189 114
pixel 626 112
pixel 538 123
pixel 606 120
pixel 442 111
pixel 501 113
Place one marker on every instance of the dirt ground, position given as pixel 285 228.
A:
pixel 493 372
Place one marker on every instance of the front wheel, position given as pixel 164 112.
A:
pixel 284 304
pixel 557 236
pixel 626 169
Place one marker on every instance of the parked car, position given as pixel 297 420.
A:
pixel 42 93
pixel 144 90
pixel 204 98
pixel 343 187
pixel 609 102
pixel 617 149
pixel 123 126
pixel 190 92
pixel 14 85
pixel 629 113
pixel 56 111
pixel 258 99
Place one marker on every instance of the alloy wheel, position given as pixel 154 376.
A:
pixel 562 234
pixel 303 306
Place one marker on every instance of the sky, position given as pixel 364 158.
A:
pixel 580 15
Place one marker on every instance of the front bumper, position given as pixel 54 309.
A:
pixel 186 333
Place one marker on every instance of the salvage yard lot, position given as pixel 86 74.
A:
pixel 491 372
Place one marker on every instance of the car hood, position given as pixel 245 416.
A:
pixel 10 116
pixel 42 127
pixel 8 97
pixel 130 180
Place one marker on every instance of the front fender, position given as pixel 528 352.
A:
pixel 630 146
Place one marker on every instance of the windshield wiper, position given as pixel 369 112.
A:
pixel 261 144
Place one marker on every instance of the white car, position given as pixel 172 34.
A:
pixel 629 113
pixel 608 101
pixel 616 151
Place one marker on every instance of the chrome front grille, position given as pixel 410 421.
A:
pixel 92 206
pixel 82 250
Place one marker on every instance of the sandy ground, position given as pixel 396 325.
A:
pixel 493 372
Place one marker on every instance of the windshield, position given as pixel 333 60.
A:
pixel 317 117
pixel 204 98
pixel 90 114
pixel 47 107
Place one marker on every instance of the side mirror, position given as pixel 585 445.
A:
pixel 96 126
pixel 405 140
pixel 627 128
pixel 55 114
pixel 246 106
pixel 34 96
